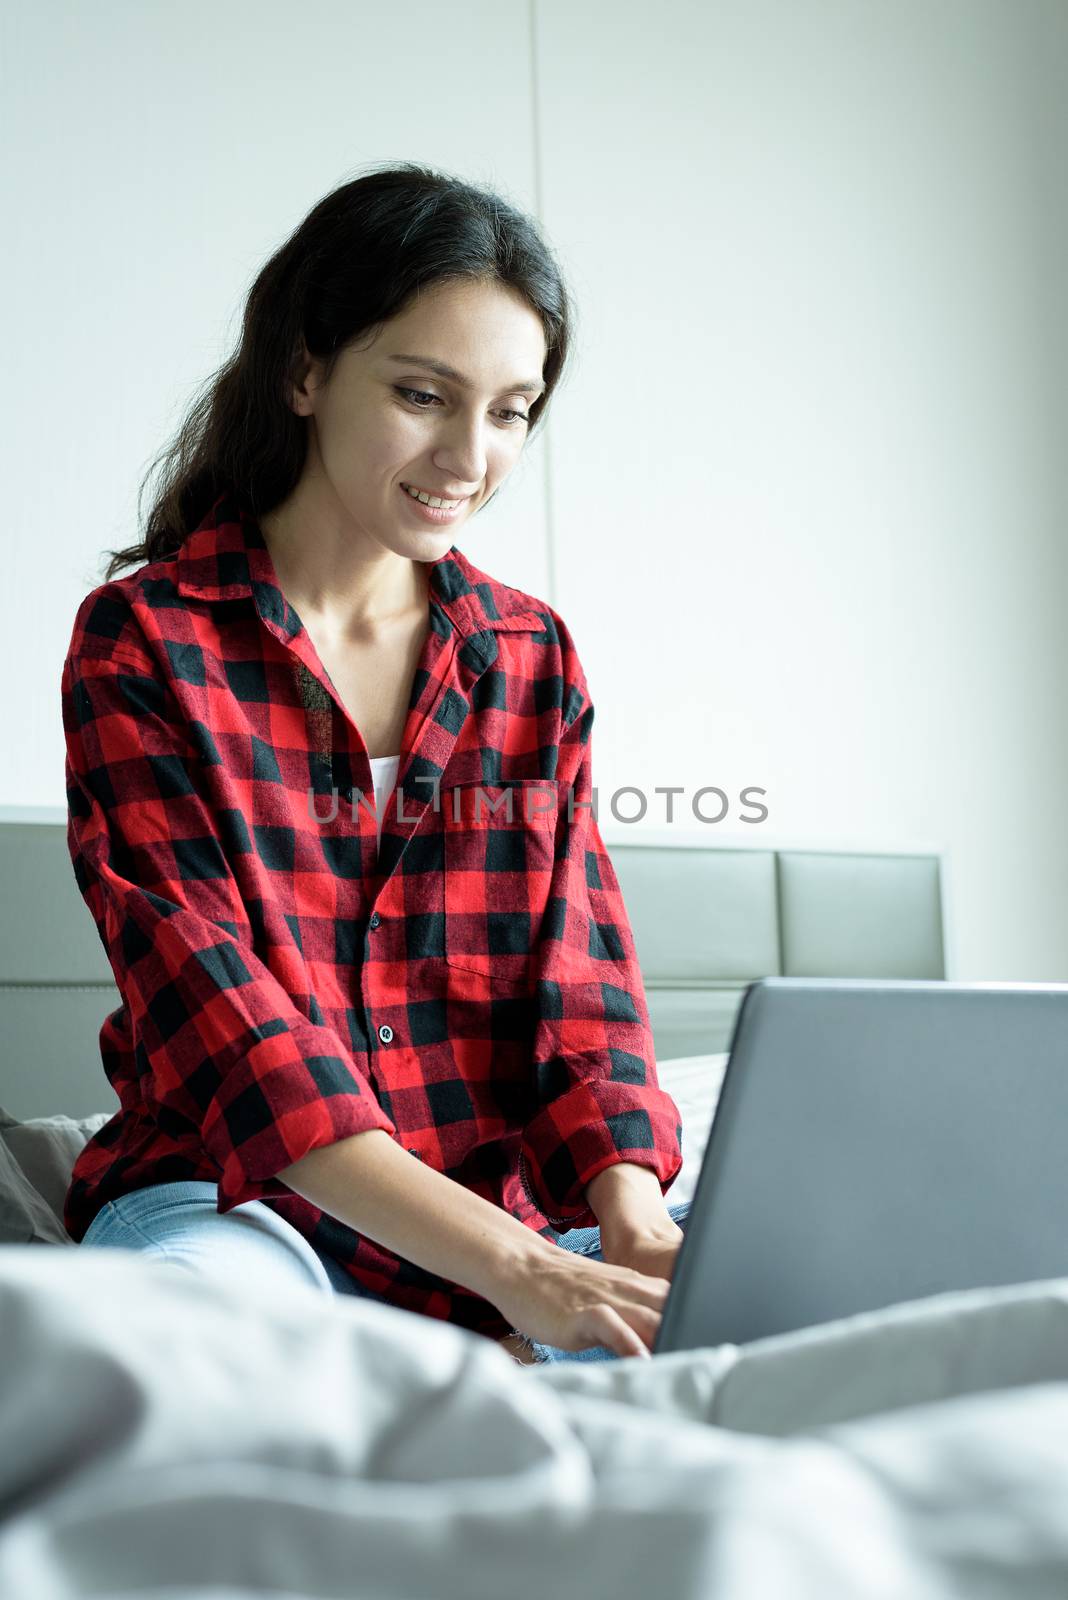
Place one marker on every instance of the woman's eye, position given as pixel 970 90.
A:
pixel 418 396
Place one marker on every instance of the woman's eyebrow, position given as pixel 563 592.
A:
pixel 444 371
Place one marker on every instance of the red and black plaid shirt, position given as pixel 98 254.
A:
pixel 472 988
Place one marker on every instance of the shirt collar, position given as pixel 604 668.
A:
pixel 226 558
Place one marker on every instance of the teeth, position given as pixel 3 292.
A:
pixel 431 499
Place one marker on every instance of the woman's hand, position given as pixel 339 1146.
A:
pixel 574 1303
pixel 650 1248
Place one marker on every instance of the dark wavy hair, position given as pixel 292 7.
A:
pixel 356 260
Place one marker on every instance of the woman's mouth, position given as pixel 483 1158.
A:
pixel 437 513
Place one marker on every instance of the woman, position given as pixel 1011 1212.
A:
pixel 319 987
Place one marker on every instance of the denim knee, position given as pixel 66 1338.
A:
pixel 180 1223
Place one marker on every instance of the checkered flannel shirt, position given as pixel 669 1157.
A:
pixel 471 987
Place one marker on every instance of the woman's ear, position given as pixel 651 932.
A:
pixel 307 378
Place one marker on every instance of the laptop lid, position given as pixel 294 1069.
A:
pixel 875 1141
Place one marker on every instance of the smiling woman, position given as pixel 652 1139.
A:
pixel 405 297
pixel 376 444
pixel 309 1007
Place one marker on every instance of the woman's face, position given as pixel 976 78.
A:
pixel 385 419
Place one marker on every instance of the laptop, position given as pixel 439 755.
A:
pixel 875 1141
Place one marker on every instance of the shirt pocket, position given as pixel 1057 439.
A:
pixel 499 842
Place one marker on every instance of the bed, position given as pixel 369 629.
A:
pixel 167 1436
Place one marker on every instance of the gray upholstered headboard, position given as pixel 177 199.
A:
pixel 708 919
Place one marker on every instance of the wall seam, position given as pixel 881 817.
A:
pixel 539 208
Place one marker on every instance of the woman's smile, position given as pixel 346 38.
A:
pixel 440 514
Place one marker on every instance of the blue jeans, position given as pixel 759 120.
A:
pixel 180 1222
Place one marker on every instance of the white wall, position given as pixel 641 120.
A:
pixel 815 451
pixel 155 156
pixel 803 501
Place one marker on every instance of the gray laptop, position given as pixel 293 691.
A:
pixel 875 1141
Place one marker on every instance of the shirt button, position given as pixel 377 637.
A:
pixel 385 1033
pixel 375 919
pixel 415 1153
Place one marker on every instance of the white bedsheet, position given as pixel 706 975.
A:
pixel 693 1082
pixel 163 1435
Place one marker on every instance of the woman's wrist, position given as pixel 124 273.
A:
pixel 511 1250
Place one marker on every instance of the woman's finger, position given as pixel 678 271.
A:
pixel 616 1334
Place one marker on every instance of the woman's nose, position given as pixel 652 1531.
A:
pixel 462 453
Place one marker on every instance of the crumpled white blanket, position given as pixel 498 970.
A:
pixel 164 1436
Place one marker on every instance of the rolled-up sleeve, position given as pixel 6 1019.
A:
pixel 226 1056
pixel 595 1081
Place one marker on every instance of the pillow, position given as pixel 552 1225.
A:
pixel 36 1160
pixel 693 1082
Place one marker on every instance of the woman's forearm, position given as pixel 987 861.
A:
pixel 626 1196
pixel 374 1186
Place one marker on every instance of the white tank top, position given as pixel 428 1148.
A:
pixel 384 779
